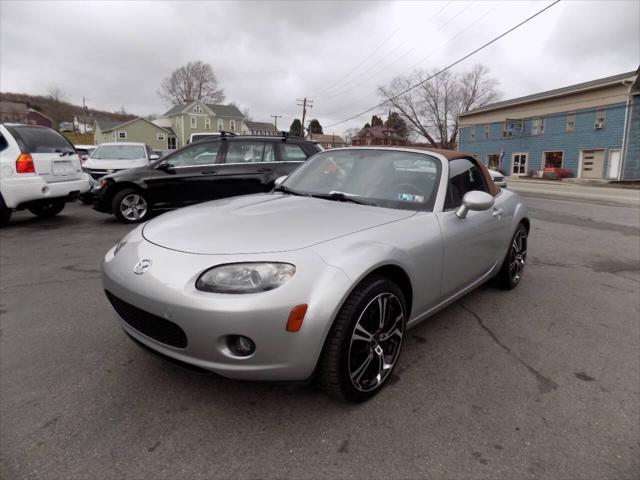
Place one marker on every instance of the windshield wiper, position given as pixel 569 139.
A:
pixel 282 188
pixel 342 197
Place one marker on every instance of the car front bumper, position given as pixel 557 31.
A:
pixel 166 297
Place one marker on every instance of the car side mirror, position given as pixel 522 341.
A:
pixel 279 181
pixel 154 157
pixel 84 157
pixel 165 167
pixel 474 200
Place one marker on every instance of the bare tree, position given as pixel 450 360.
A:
pixel 57 97
pixel 431 109
pixel 193 81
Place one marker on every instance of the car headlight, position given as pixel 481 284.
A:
pixel 245 277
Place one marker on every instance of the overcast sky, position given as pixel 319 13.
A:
pixel 268 54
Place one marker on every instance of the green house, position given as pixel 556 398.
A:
pixel 136 130
pixel 199 117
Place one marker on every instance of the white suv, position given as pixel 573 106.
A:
pixel 39 170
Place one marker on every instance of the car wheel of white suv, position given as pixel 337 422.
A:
pixel 48 209
pixel 5 213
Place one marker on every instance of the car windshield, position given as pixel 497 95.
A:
pixel 119 152
pixel 384 178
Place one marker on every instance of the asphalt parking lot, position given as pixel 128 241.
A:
pixel 541 382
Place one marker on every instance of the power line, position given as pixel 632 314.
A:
pixel 386 67
pixel 449 66
pixel 353 86
pixel 374 51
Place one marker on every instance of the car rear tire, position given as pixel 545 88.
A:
pixel 363 347
pixel 48 209
pixel 5 214
pixel 130 206
pixel 512 269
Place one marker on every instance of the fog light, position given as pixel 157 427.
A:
pixel 241 345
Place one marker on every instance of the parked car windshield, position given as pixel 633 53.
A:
pixel 40 140
pixel 119 152
pixel 384 178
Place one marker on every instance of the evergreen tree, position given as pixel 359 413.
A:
pixel 295 130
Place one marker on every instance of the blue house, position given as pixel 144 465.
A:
pixel 581 130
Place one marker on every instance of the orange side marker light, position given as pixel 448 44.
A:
pixel 296 317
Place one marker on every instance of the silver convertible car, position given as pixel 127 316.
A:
pixel 322 277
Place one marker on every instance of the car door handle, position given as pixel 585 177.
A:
pixel 498 212
pixel 263 170
pixel 208 172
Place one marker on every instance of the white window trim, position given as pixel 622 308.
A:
pixel 540 126
pixel 220 124
pixel 602 111
pixel 121 136
pixel 232 125
pixel 486 132
pixel 513 157
pixel 207 124
pixel 194 123
pixel 472 133
pixel 573 124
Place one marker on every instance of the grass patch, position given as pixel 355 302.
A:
pixel 79 138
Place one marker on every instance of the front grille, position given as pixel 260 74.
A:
pixel 151 325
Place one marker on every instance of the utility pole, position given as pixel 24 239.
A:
pixel 275 120
pixel 304 103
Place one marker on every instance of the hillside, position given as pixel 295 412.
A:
pixel 60 111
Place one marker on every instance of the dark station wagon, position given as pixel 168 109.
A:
pixel 209 169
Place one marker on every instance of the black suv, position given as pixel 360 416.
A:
pixel 225 166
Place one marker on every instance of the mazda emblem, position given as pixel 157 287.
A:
pixel 142 266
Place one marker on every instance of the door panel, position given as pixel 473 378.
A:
pixel 519 164
pixel 472 245
pixel 249 166
pixel 190 179
pixel 592 163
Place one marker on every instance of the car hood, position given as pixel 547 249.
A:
pixel 263 223
pixel 114 164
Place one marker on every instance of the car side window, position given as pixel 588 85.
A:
pixel 249 152
pixel 195 155
pixel 293 153
pixel 464 176
pixel 3 142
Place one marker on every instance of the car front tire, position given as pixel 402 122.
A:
pixel 512 269
pixel 365 341
pixel 48 209
pixel 130 206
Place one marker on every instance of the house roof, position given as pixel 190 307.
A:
pixel 112 125
pixel 319 137
pixel 378 132
pixel 220 110
pixel 106 124
pixel 37 112
pixel 13 107
pixel 84 118
pixel 593 84
pixel 260 126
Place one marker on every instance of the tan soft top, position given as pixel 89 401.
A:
pixel 454 154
